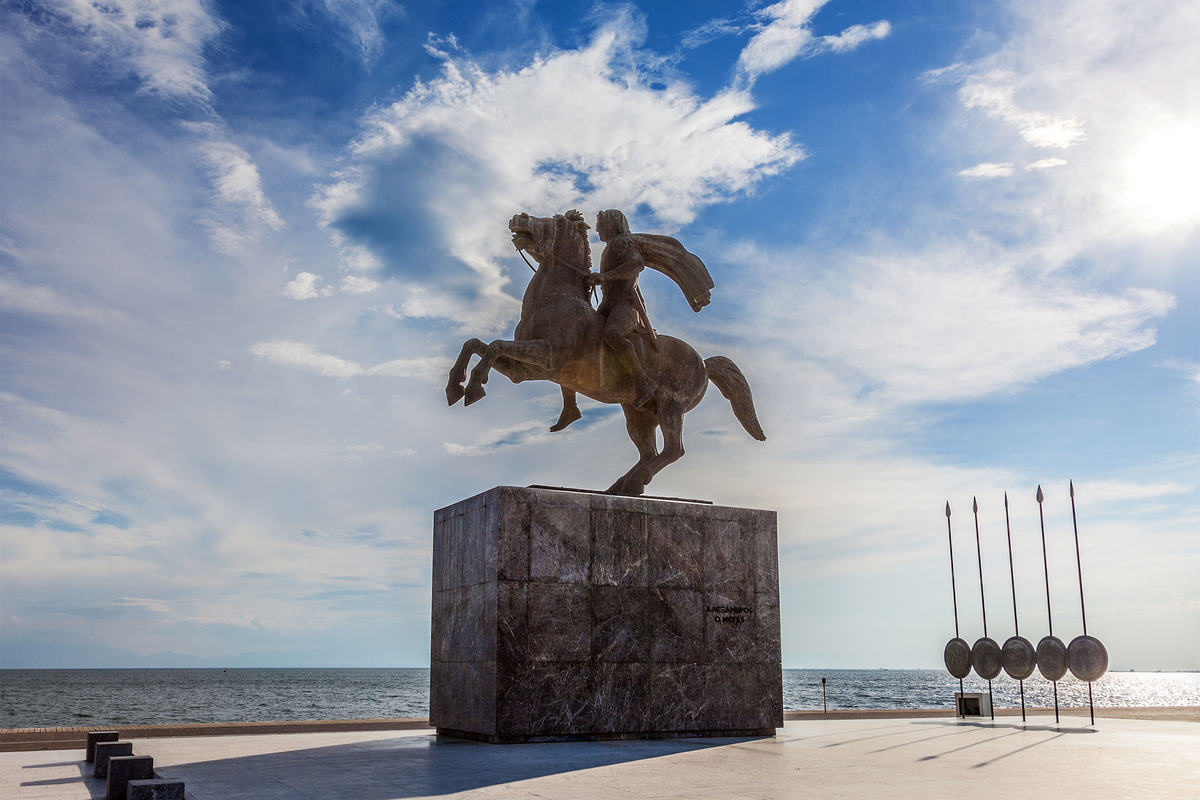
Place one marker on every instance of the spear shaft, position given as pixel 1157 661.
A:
pixel 979 556
pixel 1012 577
pixel 1082 610
pixel 953 589
pixel 1046 570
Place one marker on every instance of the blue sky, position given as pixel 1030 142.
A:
pixel 955 248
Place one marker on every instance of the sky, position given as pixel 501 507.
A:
pixel 955 248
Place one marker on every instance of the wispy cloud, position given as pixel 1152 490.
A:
pixel 786 34
pixel 993 94
pixel 988 170
pixel 307 357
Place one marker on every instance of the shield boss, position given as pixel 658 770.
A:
pixel 1052 658
pixel 986 658
pixel 1087 658
pixel 1020 659
pixel 958 658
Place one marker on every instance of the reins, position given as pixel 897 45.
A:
pixel 557 260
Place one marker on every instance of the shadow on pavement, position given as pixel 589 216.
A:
pixel 409 766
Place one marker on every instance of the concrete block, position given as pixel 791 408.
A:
pixel 155 789
pixel 568 615
pixel 98 736
pixel 105 751
pixel 122 770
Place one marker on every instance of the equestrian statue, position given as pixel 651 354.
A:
pixel 611 354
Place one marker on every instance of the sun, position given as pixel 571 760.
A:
pixel 1163 176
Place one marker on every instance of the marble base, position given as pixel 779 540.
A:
pixel 569 615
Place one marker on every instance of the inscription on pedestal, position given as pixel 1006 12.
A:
pixel 561 615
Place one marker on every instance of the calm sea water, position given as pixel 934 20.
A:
pixel 53 698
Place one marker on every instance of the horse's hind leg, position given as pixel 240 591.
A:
pixel 670 419
pixel 458 373
pixel 641 425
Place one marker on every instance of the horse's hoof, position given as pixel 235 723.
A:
pixel 474 393
pixel 454 393
pixel 627 488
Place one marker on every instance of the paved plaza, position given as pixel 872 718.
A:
pixel 879 758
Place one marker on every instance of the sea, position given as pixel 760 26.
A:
pixel 37 698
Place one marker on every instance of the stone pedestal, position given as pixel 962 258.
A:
pixel 569 615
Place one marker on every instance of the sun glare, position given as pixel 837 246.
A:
pixel 1164 176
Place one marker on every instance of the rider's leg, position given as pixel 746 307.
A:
pixel 570 410
pixel 615 331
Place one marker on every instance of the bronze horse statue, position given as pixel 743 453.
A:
pixel 559 339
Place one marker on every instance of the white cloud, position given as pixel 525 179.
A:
pixel 44 301
pixel 952 326
pixel 224 364
pixel 161 41
pixel 988 170
pixel 1045 163
pixel 307 357
pixel 235 177
pixel 494 439
pixel 355 284
pixel 303 287
pixel 787 35
pixel 993 93
pixel 359 21
pixel 298 354
pixel 574 128
pixel 855 35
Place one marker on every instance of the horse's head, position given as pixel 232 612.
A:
pixel 563 236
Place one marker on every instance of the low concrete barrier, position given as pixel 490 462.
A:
pixel 155 789
pixel 106 751
pixel 123 769
pixel 98 736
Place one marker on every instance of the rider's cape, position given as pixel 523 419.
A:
pixel 668 256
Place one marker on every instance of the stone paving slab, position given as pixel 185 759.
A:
pixel 827 758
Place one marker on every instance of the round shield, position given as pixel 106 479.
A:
pixel 958 658
pixel 1087 658
pixel 986 658
pixel 1052 658
pixel 1020 659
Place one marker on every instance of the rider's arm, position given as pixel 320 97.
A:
pixel 630 266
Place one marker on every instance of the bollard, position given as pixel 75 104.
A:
pixel 105 751
pixel 123 769
pixel 155 789
pixel 98 736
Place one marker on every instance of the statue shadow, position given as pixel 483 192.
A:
pixel 410 766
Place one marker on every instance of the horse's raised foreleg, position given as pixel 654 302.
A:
pixel 535 352
pixel 641 425
pixel 458 373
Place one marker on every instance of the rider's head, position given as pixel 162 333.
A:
pixel 610 224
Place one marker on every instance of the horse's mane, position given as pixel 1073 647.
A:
pixel 574 216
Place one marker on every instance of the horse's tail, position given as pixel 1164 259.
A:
pixel 729 379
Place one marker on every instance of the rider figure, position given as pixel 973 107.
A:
pixel 622 306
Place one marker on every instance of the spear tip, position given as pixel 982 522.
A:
pixel 1072 490
pixel 947 509
pixel 1040 496
pixel 974 505
pixel 1006 499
